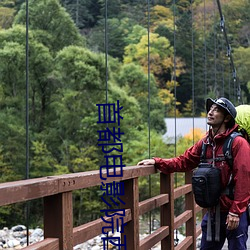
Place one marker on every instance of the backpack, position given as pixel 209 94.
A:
pixel 243 120
pixel 206 179
pixel 206 185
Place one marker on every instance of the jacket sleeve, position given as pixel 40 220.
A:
pixel 183 163
pixel 241 175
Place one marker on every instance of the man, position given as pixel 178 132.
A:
pixel 221 115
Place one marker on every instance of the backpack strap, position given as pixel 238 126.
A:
pixel 227 148
pixel 227 151
pixel 203 152
pixel 203 155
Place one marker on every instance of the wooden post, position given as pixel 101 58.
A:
pixel 167 210
pixel 190 205
pixel 131 200
pixel 58 219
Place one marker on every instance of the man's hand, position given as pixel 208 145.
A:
pixel 232 221
pixel 146 162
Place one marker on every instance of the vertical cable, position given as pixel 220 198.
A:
pixel 174 73
pixel 215 51
pixel 149 153
pixel 192 28
pixel 175 95
pixel 149 122
pixel 222 27
pixel 27 112
pixel 229 84
pixel 106 67
pixel 237 87
pixel 77 13
pixel 106 48
pixel 205 50
pixel 222 69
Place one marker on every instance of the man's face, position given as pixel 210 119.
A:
pixel 215 116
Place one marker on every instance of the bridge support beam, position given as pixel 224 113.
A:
pixel 131 200
pixel 58 219
pixel 190 205
pixel 167 210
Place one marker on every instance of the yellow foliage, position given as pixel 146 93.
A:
pixel 195 134
pixel 166 96
pixel 6 17
pixel 174 112
pixel 161 15
pixel 188 106
pixel 172 84
pixel 160 53
pixel 203 114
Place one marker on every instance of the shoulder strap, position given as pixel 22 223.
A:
pixel 227 148
pixel 203 152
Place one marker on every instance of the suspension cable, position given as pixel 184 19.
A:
pixel 229 53
pixel 27 207
pixel 149 121
pixel 106 68
pixel 175 95
pixel 215 51
pixel 205 49
pixel 192 76
pixel 174 75
pixel 221 66
pixel 106 49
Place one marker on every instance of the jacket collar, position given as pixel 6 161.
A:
pixel 221 136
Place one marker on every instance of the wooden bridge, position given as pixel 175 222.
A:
pixel 56 192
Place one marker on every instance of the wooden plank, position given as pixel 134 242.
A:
pixel 46 244
pixel 178 192
pixel 167 210
pixel 198 209
pixel 190 205
pixel 91 229
pixel 92 178
pixel 152 203
pixel 185 244
pixel 58 219
pixel 198 231
pixel 24 190
pixel 154 238
pixel 182 218
pixel 131 200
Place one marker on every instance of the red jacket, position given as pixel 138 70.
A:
pixel 241 167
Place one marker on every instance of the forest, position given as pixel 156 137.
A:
pixel 159 58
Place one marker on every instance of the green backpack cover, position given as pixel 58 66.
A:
pixel 243 119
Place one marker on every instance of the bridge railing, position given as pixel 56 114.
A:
pixel 56 192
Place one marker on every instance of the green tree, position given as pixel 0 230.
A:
pixel 84 13
pixel 117 34
pixel 161 57
pixel 161 16
pixel 241 56
pixel 80 75
pixel 13 60
pixel 135 81
pixel 6 17
pixel 53 25
pixel 42 162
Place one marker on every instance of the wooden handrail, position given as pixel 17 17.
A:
pixel 58 209
pixel 24 190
